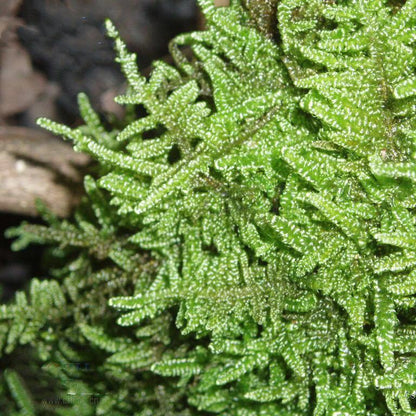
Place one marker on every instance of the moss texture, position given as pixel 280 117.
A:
pixel 248 245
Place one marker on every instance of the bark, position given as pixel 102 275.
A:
pixel 35 165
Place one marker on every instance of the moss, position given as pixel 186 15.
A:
pixel 247 247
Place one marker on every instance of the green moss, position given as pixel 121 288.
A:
pixel 248 247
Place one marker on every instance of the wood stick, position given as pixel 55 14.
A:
pixel 35 165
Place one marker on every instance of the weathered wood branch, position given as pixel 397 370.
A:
pixel 35 165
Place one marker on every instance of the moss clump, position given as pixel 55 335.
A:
pixel 248 245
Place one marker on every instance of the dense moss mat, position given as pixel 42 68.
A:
pixel 247 246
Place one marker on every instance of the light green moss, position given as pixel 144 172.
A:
pixel 254 231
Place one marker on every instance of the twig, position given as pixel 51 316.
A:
pixel 36 165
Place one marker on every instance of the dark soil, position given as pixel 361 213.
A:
pixel 66 39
